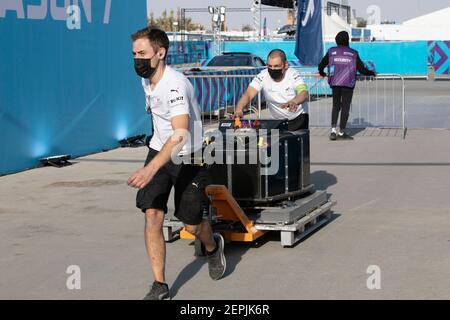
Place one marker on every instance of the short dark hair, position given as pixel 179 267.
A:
pixel 278 53
pixel 157 37
pixel 342 38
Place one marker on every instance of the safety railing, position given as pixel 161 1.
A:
pixel 218 95
pixel 377 101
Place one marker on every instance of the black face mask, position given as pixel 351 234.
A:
pixel 275 74
pixel 144 68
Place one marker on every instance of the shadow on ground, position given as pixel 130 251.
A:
pixel 234 252
pixel 322 180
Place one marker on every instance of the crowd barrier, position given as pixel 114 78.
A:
pixel 377 101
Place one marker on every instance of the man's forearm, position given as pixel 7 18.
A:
pixel 362 68
pixel 323 64
pixel 165 155
pixel 242 102
pixel 301 97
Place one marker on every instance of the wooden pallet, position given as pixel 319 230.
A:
pixel 293 233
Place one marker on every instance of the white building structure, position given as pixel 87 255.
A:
pixel 432 26
pixel 332 25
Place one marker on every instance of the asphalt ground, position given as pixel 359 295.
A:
pixel 393 212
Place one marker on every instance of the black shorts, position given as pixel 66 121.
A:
pixel 190 182
pixel 299 123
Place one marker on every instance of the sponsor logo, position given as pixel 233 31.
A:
pixel 55 10
pixel 177 99
pixel 309 12
pixel 345 60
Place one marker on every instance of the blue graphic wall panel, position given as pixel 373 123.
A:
pixel 388 57
pixel 439 56
pixel 407 58
pixel 67 91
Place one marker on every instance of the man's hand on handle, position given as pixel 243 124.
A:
pixel 237 114
pixel 291 105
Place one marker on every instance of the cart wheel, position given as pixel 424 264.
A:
pixel 200 250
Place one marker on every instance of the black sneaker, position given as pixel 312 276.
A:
pixel 345 136
pixel 333 136
pixel 217 262
pixel 158 292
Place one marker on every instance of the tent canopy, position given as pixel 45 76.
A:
pixel 279 3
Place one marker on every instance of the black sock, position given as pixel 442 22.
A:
pixel 161 283
pixel 214 251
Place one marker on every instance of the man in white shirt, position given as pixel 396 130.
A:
pixel 285 91
pixel 177 131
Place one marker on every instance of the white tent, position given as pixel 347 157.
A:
pixel 437 19
pixel 432 26
pixel 333 25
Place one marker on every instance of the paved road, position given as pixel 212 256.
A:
pixel 393 211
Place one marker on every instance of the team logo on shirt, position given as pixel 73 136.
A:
pixel 344 60
pixel 177 99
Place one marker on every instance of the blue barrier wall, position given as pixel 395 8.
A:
pixel 187 52
pixel 67 91
pixel 388 57
pixel 407 58
pixel 439 56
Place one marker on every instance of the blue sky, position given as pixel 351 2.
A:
pixel 398 10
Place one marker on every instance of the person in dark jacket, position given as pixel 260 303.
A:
pixel 343 64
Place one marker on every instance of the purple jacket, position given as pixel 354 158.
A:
pixel 342 67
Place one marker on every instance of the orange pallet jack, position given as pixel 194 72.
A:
pixel 294 221
pixel 227 209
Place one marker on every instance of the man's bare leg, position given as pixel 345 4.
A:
pixel 155 244
pixel 204 233
pixel 214 248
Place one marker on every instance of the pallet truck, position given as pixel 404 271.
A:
pixel 244 212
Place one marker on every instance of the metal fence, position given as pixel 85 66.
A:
pixel 219 94
pixel 377 101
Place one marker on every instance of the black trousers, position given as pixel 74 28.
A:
pixel 342 99
pixel 299 123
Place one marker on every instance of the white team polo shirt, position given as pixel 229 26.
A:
pixel 279 93
pixel 173 96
